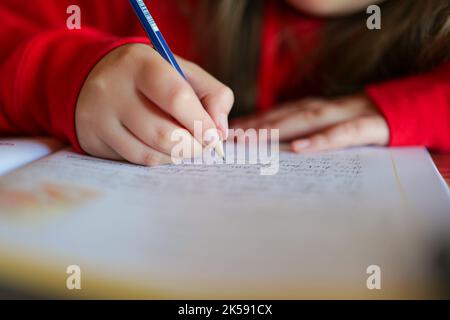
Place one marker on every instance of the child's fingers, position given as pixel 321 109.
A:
pixel 98 148
pixel 131 149
pixel 308 121
pixel 162 84
pixel 249 122
pixel 217 98
pixel 262 119
pixel 279 113
pixel 358 132
pixel 157 130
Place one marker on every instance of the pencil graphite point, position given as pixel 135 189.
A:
pixel 219 149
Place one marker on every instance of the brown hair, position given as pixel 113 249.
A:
pixel 415 37
pixel 233 27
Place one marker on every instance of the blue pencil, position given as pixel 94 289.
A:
pixel 154 34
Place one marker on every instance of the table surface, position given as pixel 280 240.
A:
pixel 443 164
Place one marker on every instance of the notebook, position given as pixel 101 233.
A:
pixel 17 152
pixel 314 229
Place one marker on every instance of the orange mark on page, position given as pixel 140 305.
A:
pixel 44 198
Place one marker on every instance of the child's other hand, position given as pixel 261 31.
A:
pixel 319 124
pixel 133 100
pixel 332 7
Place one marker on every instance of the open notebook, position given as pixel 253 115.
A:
pixel 15 153
pixel 225 230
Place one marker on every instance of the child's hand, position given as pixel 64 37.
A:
pixel 133 100
pixel 318 124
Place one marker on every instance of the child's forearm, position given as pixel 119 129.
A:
pixel 44 65
pixel 40 81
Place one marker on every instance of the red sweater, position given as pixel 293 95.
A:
pixel 43 67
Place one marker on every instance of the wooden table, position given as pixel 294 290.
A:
pixel 443 164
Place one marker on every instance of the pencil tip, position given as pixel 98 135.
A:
pixel 219 150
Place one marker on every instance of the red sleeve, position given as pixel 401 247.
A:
pixel 44 64
pixel 417 108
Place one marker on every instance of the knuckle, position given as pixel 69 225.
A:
pixel 333 138
pixel 226 96
pixel 129 53
pixel 309 115
pixel 180 98
pixel 98 85
pixel 149 159
pixel 84 120
pixel 194 67
pixel 86 145
pixel 359 125
pixel 353 128
pixel 321 140
pixel 321 112
pixel 328 138
pixel 163 136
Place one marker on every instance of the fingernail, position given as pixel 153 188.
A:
pixel 223 124
pixel 211 138
pixel 197 149
pixel 302 145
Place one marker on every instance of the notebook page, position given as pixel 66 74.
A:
pixel 225 230
pixel 15 153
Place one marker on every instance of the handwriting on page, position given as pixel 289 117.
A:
pixel 299 176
